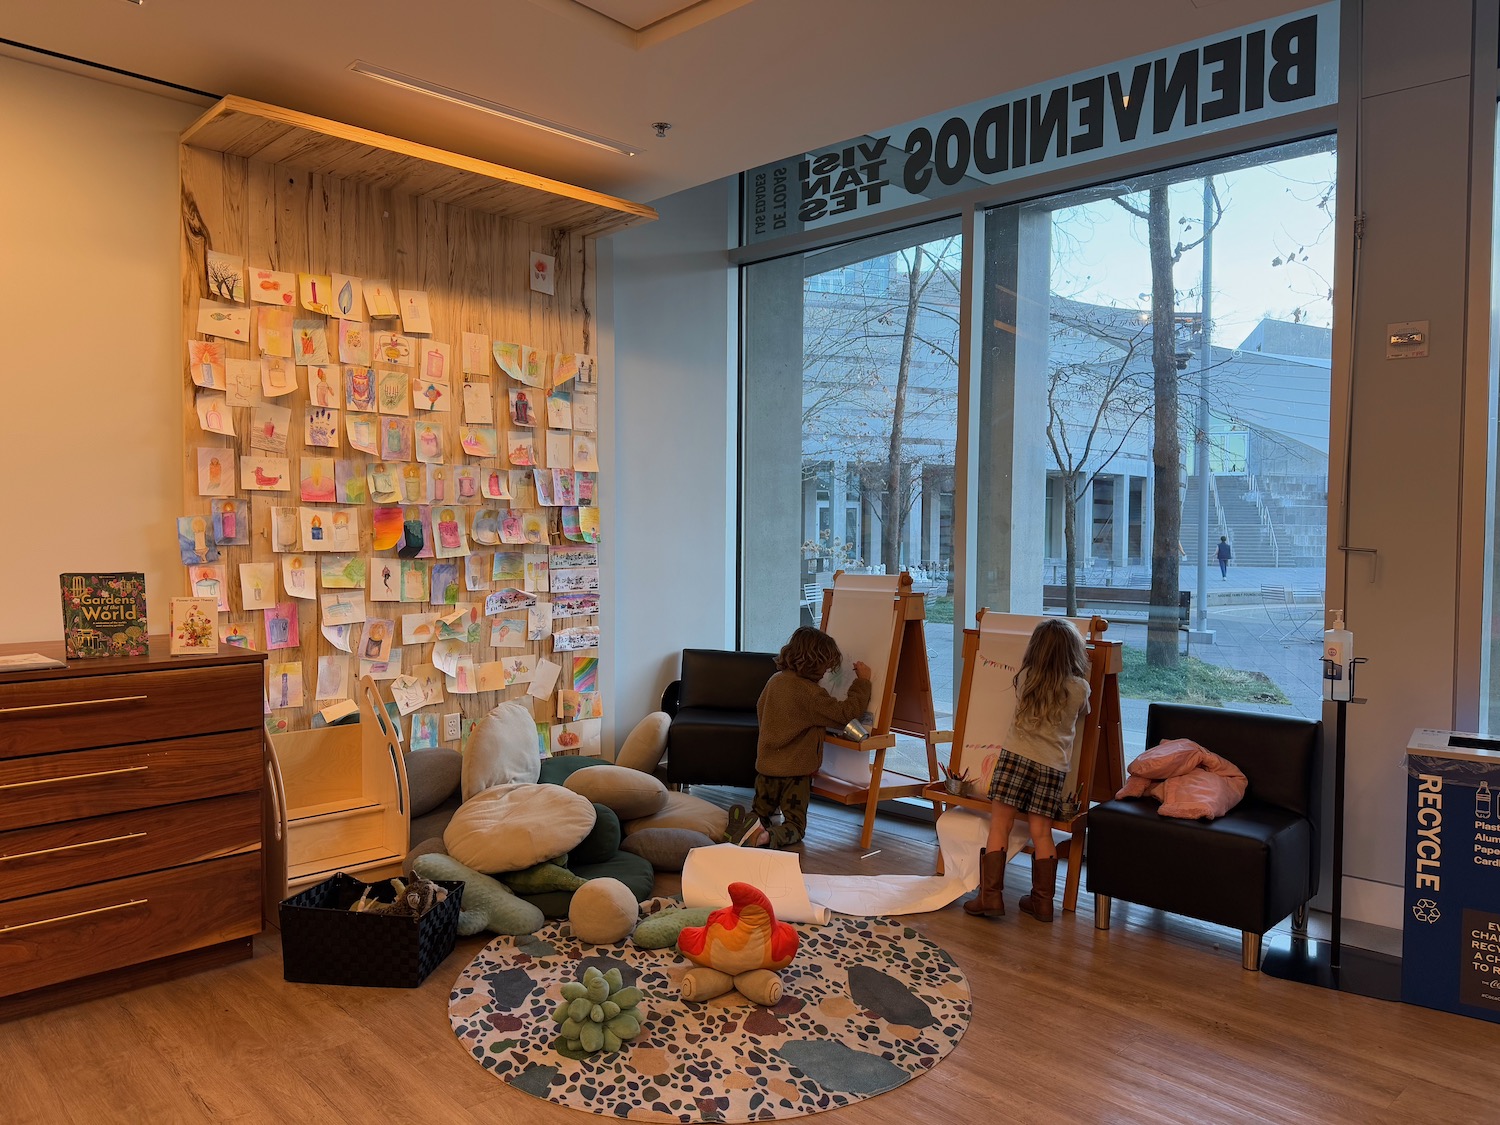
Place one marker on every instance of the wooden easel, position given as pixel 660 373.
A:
pixel 1100 746
pixel 905 706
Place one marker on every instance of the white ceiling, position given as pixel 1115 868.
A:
pixel 742 82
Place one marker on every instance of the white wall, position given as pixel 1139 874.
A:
pixel 667 411
pixel 90 437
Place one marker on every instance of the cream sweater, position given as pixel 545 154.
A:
pixel 793 713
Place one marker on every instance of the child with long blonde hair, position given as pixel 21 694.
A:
pixel 1052 690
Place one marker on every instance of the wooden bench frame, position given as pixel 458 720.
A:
pixel 1120 603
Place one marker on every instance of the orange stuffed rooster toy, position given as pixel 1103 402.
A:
pixel 742 947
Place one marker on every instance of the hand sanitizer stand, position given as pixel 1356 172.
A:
pixel 1451 935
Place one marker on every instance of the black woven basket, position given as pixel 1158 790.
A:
pixel 324 942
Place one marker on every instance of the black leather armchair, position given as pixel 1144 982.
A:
pixel 712 737
pixel 1248 869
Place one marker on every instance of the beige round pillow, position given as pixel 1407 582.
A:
pixel 603 911
pixel 683 810
pixel 501 751
pixel 630 793
pixel 644 746
pixel 515 826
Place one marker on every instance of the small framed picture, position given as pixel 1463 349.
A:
pixel 195 626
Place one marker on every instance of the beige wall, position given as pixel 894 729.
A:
pixel 90 436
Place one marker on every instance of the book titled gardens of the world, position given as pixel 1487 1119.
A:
pixel 104 614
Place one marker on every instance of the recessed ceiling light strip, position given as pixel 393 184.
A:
pixel 472 101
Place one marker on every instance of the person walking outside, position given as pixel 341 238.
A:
pixel 1223 554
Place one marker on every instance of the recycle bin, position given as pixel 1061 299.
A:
pixel 1451 934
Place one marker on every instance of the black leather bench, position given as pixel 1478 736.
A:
pixel 712 737
pixel 1248 869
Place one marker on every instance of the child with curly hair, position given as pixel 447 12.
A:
pixel 794 713
pixel 1052 690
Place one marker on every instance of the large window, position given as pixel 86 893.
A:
pixel 1155 395
pixel 851 400
pixel 1152 394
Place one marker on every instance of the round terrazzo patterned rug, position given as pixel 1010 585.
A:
pixel 867 1004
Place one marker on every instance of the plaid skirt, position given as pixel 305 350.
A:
pixel 1027 786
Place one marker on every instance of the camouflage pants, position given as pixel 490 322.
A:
pixel 789 794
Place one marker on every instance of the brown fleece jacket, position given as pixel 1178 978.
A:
pixel 793 714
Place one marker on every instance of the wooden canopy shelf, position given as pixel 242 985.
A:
pixel 256 131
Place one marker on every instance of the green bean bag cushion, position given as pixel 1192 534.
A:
pixel 600 844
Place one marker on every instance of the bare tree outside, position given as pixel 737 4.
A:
pixel 865 405
pixel 1166 450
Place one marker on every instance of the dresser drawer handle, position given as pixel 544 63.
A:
pixel 72 847
pixel 75 703
pixel 74 777
pixel 71 917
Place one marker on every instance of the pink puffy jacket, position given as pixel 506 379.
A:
pixel 1189 781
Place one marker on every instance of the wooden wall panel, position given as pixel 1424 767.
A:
pixel 475 268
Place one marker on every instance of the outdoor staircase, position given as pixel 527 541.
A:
pixel 1252 543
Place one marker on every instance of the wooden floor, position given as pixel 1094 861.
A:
pixel 1153 1020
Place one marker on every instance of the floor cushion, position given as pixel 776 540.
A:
pixel 630 793
pixel 515 826
pixel 683 810
pixel 644 746
pixel 431 778
pixel 556 769
pixel 501 751
pixel 602 842
pixel 666 848
pixel 635 872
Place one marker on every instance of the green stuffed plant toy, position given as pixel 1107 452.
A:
pixel 597 1013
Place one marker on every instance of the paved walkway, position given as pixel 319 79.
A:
pixel 1245 636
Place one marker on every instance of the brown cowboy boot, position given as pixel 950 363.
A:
pixel 990 901
pixel 1043 886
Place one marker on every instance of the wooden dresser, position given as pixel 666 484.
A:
pixel 130 820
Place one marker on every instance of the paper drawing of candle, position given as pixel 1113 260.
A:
pixel 359 385
pixel 277 628
pixel 346 298
pixel 341 534
pixel 411 483
pixel 296 574
pixel 439 485
pixel 447 528
pixel 466 485
pixel 206 585
pixel 317 528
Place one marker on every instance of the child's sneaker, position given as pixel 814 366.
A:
pixel 739 820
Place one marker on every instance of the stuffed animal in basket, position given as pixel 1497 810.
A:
pixel 741 947
pixel 412 899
